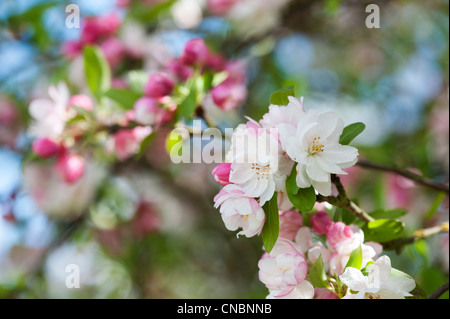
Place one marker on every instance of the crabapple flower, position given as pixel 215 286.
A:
pixel 279 114
pixel 258 164
pixel 311 249
pixel 50 115
pixel 81 100
pixel 240 211
pixel 46 148
pixel 228 96
pixel 195 52
pixel 148 112
pixel 284 271
pixel 314 144
pixel 321 222
pixel 290 222
pixel 127 142
pixel 70 167
pixel 221 173
pixel 379 284
pixel 159 85
pixel 343 240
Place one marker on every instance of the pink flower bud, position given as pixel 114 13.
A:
pixel 113 50
pixel 146 111
pixel 81 100
pixel 320 222
pixel 70 167
pixel 195 52
pixel 290 222
pixel 228 96
pixel 221 173
pixel 71 49
pixel 127 142
pixel 179 70
pixel 236 71
pixel 159 85
pixel 46 148
pixel 338 232
pixel 216 62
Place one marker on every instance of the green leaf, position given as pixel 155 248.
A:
pixel 355 260
pixel 144 144
pixel 272 225
pixel 97 71
pixel 303 199
pixel 280 97
pixel 383 230
pixel 435 205
pixel 125 98
pixel 187 107
pixel 350 132
pixel 388 214
pixel 317 274
pixel 291 181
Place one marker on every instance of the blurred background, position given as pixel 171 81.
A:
pixel 154 233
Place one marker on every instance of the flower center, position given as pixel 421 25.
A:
pixel 316 146
pixel 369 295
pixel 261 171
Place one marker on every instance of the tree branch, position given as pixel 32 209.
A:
pixel 399 244
pixel 439 292
pixel 407 174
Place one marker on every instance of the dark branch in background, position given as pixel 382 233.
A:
pixel 421 180
pixel 439 292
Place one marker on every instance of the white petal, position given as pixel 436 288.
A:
pixel 316 172
pixel 323 188
pixel 354 279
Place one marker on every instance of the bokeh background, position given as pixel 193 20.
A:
pixel 394 79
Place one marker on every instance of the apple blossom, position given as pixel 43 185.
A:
pixel 46 148
pixel 313 142
pixel 290 222
pixel 228 96
pixel 81 100
pixel 128 141
pixel 113 50
pixel 284 271
pixel 149 112
pixel 379 284
pixel 240 211
pixel 221 173
pixel 195 52
pixel 258 165
pixel 321 222
pixel 159 85
pixel 70 167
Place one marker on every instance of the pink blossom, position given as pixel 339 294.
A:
pixel 195 52
pixel 284 270
pixel 321 222
pixel 290 222
pixel 228 96
pixel 70 167
pixel 323 293
pixel 113 50
pixel 96 27
pixel 338 232
pixel 128 141
pixel 221 173
pixel 149 112
pixel 46 147
pixel 216 62
pixel 71 49
pixel 81 100
pixel 159 85
pixel 240 211
pixel 236 71
pixel 180 70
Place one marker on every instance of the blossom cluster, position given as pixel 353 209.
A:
pixel 262 156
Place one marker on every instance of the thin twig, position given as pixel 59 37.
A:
pixel 439 292
pixel 407 174
pixel 400 243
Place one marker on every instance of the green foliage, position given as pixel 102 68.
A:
pixel 280 97
pixel 97 71
pixel 271 227
pixel 302 198
pixel 317 274
pixel 383 230
pixel 356 257
pixel 350 132
pixel 124 98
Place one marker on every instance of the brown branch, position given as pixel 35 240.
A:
pixel 407 174
pixel 344 202
pixel 399 244
pixel 439 292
